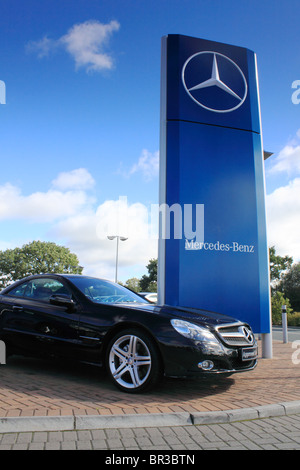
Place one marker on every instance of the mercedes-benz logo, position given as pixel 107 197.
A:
pixel 214 81
pixel 248 334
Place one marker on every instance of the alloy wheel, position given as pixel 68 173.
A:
pixel 130 361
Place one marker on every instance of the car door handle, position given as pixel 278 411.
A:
pixel 17 308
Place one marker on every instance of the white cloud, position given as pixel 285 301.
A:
pixel 147 165
pixel 86 234
pixel 288 159
pixel 283 204
pixel 76 222
pixel 43 47
pixel 76 179
pixel 283 209
pixel 45 206
pixel 85 42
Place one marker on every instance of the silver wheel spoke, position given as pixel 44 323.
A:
pixel 121 370
pixel 143 361
pixel 132 345
pixel 120 353
pixel 134 373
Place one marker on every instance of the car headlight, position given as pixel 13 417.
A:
pixel 192 331
pixel 198 334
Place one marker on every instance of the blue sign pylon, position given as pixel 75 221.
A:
pixel 211 157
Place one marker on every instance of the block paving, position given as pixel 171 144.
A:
pixel 280 433
pixel 36 387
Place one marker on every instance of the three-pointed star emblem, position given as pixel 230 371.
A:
pixel 215 80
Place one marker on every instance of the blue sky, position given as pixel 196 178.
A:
pixel 80 126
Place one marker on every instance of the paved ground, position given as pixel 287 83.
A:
pixel 189 414
pixel 33 387
pixel 279 433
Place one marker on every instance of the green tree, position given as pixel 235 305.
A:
pixel 149 283
pixel 290 286
pixel 133 284
pixel 278 264
pixel 36 258
pixel 277 301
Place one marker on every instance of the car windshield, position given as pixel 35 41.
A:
pixel 102 291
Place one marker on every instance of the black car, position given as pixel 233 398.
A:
pixel 97 321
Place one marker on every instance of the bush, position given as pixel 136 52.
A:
pixel 290 286
pixel 293 319
pixel 277 301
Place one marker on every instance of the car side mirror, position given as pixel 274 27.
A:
pixel 63 300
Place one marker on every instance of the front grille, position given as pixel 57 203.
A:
pixel 236 335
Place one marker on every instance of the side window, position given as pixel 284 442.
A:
pixel 40 289
pixel 20 290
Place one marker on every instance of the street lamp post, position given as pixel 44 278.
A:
pixel 118 237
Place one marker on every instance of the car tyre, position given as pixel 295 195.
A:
pixel 133 361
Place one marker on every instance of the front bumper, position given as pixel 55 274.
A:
pixel 186 362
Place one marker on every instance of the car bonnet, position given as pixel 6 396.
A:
pixel 189 314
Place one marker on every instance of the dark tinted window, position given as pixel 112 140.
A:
pixel 19 291
pixel 39 289
pixel 102 291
